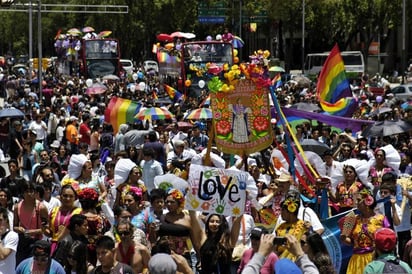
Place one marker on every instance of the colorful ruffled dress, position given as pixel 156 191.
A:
pixel 363 241
pixel 296 229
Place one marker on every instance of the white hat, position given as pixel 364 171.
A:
pixel 218 37
pixel 55 144
pixel 73 118
pixel 76 165
pixel 122 170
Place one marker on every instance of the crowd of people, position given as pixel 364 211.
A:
pixel 80 198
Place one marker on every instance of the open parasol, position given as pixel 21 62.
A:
pixel 87 29
pixel 104 34
pixel 154 113
pixel 96 88
pixel 199 114
pixel 237 42
pixel 74 31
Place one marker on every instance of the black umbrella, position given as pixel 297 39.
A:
pixel 314 145
pixel 306 107
pixel 387 128
pixel 11 113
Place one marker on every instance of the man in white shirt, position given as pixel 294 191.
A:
pixel 151 168
pixel 179 153
pixel 8 244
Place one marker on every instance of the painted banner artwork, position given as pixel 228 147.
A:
pixel 216 190
pixel 241 118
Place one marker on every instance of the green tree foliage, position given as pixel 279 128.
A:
pixel 326 22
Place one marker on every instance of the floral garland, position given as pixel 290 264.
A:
pixel 133 189
pixel 366 197
pixel 88 194
pixel 70 181
pixel 177 196
pixel 291 204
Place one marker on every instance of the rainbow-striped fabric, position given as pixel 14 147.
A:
pixel 333 88
pixel 121 111
pixel 173 93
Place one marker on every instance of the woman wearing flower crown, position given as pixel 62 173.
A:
pixel 291 225
pixel 98 224
pixel 127 174
pixel 358 230
pixel 346 190
pixel 132 199
pixel 176 224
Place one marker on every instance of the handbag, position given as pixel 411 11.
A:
pixel 242 247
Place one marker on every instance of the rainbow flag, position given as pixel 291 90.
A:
pixel 277 81
pixel 205 102
pixel 333 88
pixel 121 111
pixel 173 93
pixel 154 95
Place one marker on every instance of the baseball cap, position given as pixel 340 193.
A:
pixel 385 239
pixel 73 118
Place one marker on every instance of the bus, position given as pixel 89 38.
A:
pixel 91 58
pixel 353 60
pixel 195 61
pixel 100 57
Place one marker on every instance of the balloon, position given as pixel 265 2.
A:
pixel 201 84
pixel 379 99
pixel 89 82
pixel 140 75
pixel 142 86
pixel 132 88
pixel 236 59
pixel 235 52
pixel 134 76
pixel 188 83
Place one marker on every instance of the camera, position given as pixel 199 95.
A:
pixel 279 241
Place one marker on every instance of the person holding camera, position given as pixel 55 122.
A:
pixel 267 242
pixel 270 259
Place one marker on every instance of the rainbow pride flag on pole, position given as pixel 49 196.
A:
pixel 173 93
pixel 121 111
pixel 277 81
pixel 333 88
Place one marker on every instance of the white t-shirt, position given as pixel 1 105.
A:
pixel 8 265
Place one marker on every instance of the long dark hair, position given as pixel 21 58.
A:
pixel 78 251
pixel 216 249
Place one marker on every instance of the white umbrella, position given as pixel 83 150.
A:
pixel 170 180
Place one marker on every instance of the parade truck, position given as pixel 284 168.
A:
pixel 190 65
pixel 93 57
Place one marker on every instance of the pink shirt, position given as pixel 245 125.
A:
pixel 267 268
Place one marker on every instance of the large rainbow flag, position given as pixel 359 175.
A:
pixel 333 88
pixel 121 111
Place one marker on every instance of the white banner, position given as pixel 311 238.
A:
pixel 214 190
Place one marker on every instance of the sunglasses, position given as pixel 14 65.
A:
pixel 384 192
pixel 346 150
pixel 124 233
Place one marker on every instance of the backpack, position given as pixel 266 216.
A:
pixel 392 266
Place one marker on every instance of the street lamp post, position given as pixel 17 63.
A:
pixel 303 36
pixel 40 57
